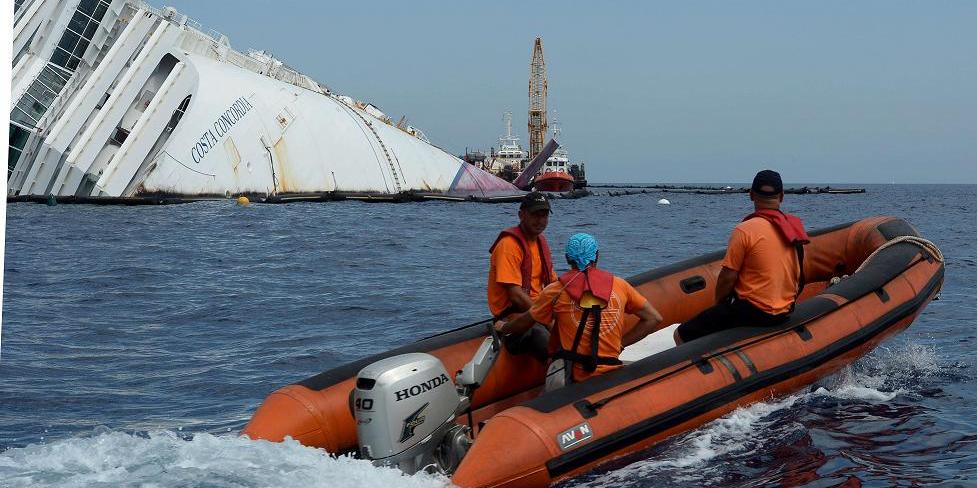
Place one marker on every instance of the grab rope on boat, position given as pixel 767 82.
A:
pixel 926 244
pixel 919 241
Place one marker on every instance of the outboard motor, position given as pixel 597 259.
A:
pixel 405 408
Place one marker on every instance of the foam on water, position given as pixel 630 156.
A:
pixel 734 432
pixel 884 375
pixel 879 378
pixel 164 459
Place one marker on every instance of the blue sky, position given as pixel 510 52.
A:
pixel 711 91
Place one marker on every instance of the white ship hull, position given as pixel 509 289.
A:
pixel 155 106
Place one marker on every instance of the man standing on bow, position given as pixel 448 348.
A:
pixel 520 266
pixel 763 271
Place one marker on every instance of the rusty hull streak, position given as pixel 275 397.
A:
pixel 235 156
pixel 281 163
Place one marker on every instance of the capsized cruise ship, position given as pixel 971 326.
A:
pixel 116 98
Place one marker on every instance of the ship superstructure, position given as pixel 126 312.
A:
pixel 118 98
pixel 510 159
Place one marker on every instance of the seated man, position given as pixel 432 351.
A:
pixel 586 307
pixel 519 268
pixel 762 273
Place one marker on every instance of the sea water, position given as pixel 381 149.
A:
pixel 138 341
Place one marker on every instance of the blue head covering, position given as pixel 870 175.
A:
pixel 582 250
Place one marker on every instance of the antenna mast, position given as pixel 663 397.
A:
pixel 507 116
pixel 537 100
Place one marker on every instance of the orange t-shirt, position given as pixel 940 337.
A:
pixel 553 303
pixel 766 263
pixel 505 268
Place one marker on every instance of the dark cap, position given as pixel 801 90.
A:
pixel 769 178
pixel 534 201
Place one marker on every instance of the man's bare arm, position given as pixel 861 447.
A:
pixel 648 320
pixel 517 326
pixel 725 283
pixel 518 297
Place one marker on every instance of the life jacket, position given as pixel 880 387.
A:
pixel 792 230
pixel 527 261
pixel 591 290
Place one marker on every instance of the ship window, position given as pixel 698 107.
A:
pixel 100 10
pixel 105 98
pixel 41 94
pixel 64 59
pixel 32 108
pixel 87 6
pixel 18 136
pixel 60 57
pixel 78 23
pixel 69 40
pixel 48 81
pixel 82 46
pixel 54 78
pixel 90 30
pixel 21 117
pixel 119 136
pixel 76 38
pixel 18 139
pixel 13 154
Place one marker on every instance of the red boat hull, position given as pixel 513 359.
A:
pixel 554 181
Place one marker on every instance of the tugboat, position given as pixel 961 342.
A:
pixel 555 175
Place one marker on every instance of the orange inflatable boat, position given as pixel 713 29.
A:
pixel 866 280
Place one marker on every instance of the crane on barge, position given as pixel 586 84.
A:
pixel 537 100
